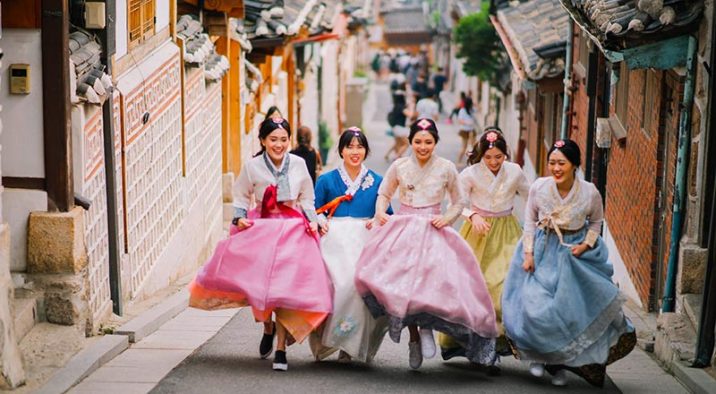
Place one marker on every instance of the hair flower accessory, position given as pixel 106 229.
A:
pixel 559 143
pixel 356 131
pixel 277 120
pixel 424 124
pixel 491 138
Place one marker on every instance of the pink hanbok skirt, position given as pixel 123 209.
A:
pixel 275 267
pixel 417 274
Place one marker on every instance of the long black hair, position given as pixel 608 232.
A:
pixel 491 138
pixel 424 124
pixel 268 126
pixel 272 109
pixel 348 135
pixel 569 149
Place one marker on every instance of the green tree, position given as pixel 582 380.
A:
pixel 479 44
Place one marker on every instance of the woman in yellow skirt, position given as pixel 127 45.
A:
pixel 492 183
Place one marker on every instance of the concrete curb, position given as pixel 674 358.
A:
pixel 84 363
pixel 152 319
pixel 695 379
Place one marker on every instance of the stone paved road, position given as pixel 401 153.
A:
pixel 229 362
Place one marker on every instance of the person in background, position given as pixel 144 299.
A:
pixel 427 107
pixel 466 127
pixel 439 81
pixel 305 150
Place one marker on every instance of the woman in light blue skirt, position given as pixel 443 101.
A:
pixel 561 310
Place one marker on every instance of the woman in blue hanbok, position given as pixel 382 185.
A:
pixel 346 196
pixel 561 310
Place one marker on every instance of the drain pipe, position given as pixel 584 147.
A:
pixel 567 80
pixel 682 164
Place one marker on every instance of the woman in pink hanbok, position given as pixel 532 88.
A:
pixel 272 261
pixel 418 270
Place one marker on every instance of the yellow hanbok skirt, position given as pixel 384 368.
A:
pixel 494 252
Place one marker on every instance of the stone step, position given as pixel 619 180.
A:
pixel 25 315
pixel 692 307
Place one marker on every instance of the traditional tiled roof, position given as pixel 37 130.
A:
pixel 91 83
pixel 623 20
pixel 275 18
pixel 467 7
pixel 534 25
pixel 400 20
pixel 199 49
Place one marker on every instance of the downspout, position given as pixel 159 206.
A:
pixel 107 37
pixel 682 164
pixel 567 80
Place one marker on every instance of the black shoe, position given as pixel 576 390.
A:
pixel 493 370
pixel 266 346
pixel 452 352
pixel 279 361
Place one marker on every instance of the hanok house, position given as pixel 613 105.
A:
pixel 112 160
pixel 405 27
pixel 531 111
pixel 302 56
pixel 636 73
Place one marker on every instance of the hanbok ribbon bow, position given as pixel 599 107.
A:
pixel 550 222
pixel 331 206
pixel 270 203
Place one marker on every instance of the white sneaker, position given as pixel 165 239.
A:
pixel 537 370
pixel 427 343
pixel 416 355
pixel 560 378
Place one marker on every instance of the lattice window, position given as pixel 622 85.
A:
pixel 141 20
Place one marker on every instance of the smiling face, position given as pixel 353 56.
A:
pixel 423 145
pixel 561 168
pixel 493 159
pixel 354 153
pixel 276 144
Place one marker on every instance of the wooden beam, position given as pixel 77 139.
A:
pixel 235 107
pixel 223 47
pixel 24 183
pixel 21 14
pixel 56 104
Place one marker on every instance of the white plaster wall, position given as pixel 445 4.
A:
pixel 329 54
pixel 17 205
pixel 22 137
pixel 621 275
pixel 162 14
pixel 121 28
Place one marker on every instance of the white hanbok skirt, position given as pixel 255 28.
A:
pixel 350 327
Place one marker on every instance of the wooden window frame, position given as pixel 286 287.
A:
pixel 147 14
pixel 621 100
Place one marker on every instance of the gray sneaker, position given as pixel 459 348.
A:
pixel 416 355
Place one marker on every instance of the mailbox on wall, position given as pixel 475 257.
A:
pixel 20 78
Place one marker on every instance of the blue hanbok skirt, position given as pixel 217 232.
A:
pixel 568 312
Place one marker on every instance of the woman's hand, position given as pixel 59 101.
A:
pixel 242 223
pixel 323 228
pixel 381 218
pixel 313 226
pixel 439 222
pixel 480 225
pixel 579 249
pixel 528 264
pixel 369 224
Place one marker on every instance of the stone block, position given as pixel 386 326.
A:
pixel 12 373
pixel 55 242
pixel 675 338
pixel 692 269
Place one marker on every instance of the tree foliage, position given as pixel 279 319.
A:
pixel 479 45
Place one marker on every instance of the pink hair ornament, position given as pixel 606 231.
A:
pixel 424 124
pixel 559 143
